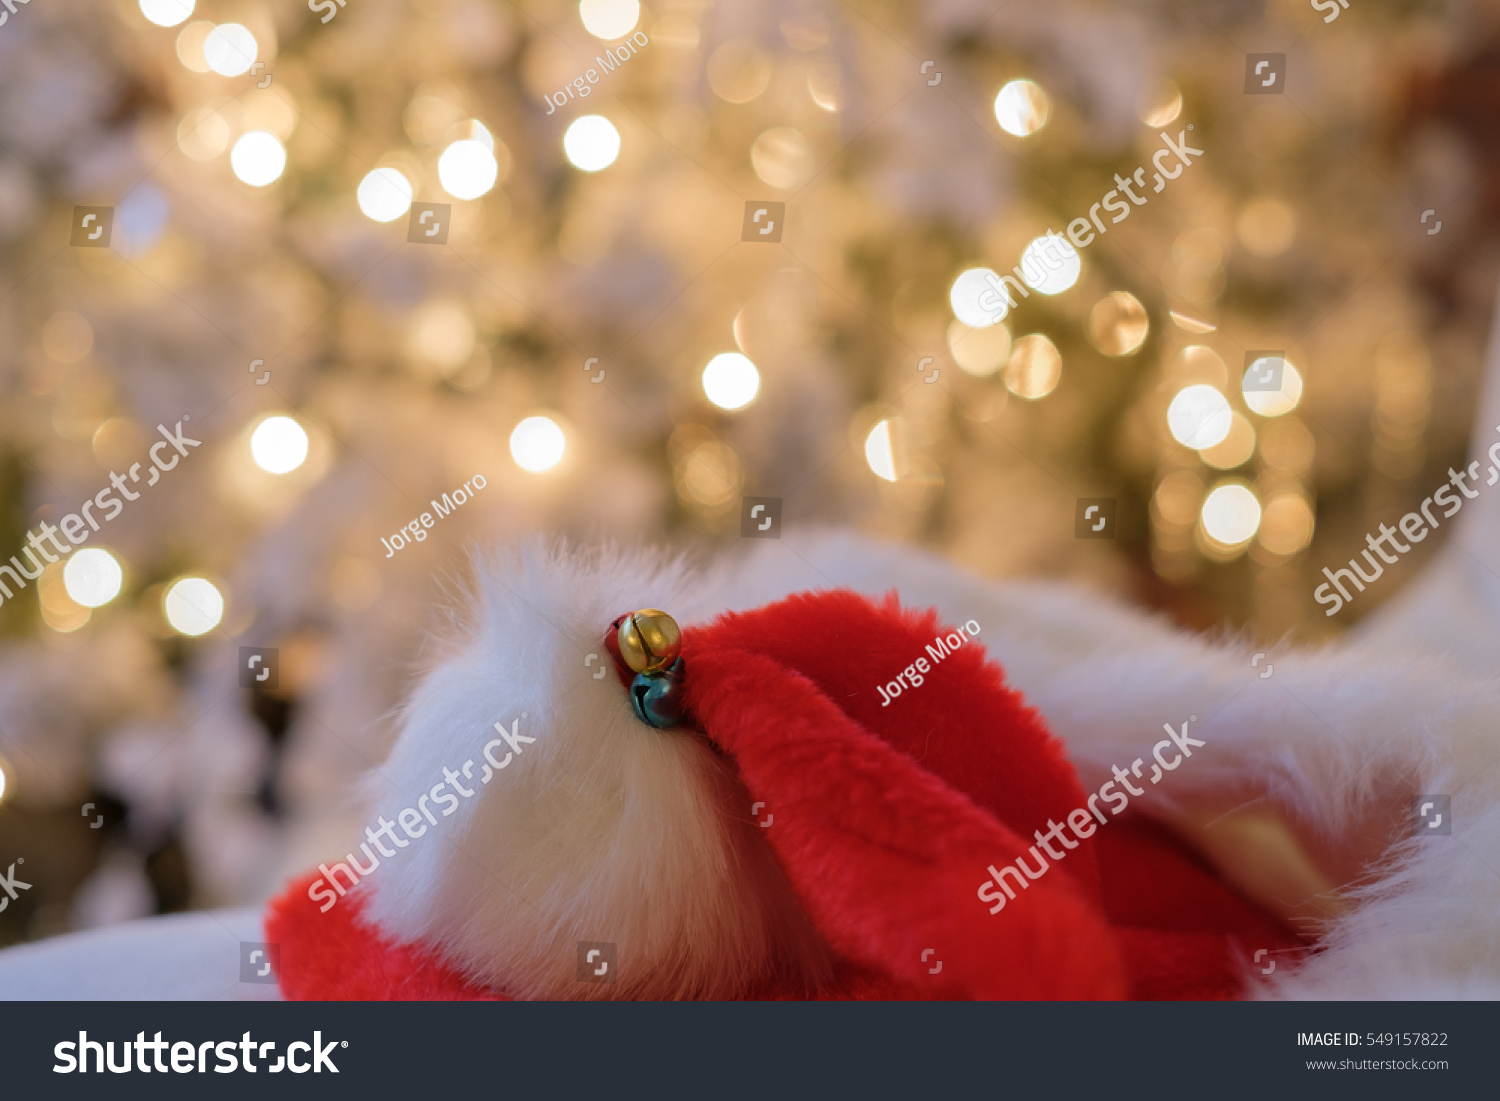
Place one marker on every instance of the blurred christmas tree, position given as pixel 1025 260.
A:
pixel 607 318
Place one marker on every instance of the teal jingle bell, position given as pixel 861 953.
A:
pixel 657 697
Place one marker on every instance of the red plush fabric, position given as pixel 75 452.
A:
pixel 334 956
pixel 872 823
pixel 886 819
pixel 1188 933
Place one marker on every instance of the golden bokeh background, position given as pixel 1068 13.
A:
pixel 601 338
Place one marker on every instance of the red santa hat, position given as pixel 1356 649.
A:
pixel 879 759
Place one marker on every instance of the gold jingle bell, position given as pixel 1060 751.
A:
pixel 649 640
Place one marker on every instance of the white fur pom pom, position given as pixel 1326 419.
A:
pixel 601 829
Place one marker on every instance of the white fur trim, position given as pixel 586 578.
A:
pixel 603 829
pixel 607 831
pixel 1330 732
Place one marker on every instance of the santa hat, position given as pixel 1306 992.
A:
pixel 846 780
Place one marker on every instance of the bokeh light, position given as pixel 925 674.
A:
pixel 730 380
pixel 739 71
pixel 880 451
pixel 1287 525
pixel 609 19
pixel 1177 499
pixel 1050 264
pixel 1161 104
pixel 442 336
pixel 93 577
pixel 1199 416
pixel 202 134
pixel 980 352
pixel 468 169
pixel 118 440
pixel 1035 367
pixel 1266 227
pixel 166 13
pixel 1235 448
pixel 230 49
pixel 591 143
pixel 384 195
pixel 782 158
pixel 67 337
pixel 1118 324
pixel 537 444
pixel 258 158
pixel 1231 513
pixel 431 114
pixel 1191 323
pixel 975 300
pixel 1022 108
pixel 1200 363
pixel 710 477
pixel 193 606
pixel 59 611
pixel 1287 445
pixel 1271 403
pixel 271 109
pixel 825 85
pixel 189 46
pixel 279 445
